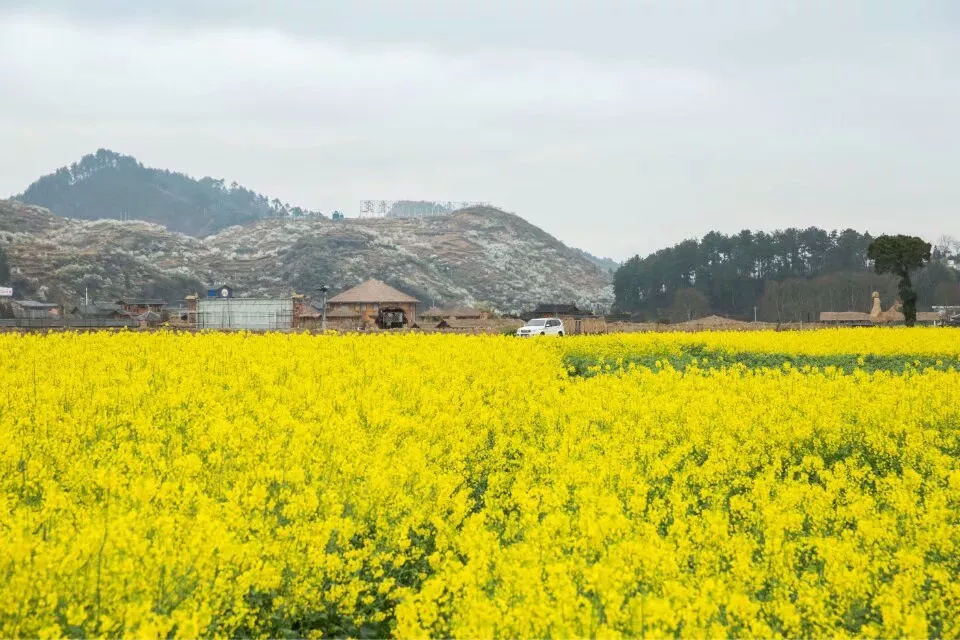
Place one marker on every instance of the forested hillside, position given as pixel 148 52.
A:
pixel 787 275
pixel 109 185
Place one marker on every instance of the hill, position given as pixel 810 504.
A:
pixel 606 264
pixel 110 185
pixel 473 256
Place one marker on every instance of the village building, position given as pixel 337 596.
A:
pixel 554 310
pixel 251 314
pixel 846 318
pixel 344 318
pixel 575 320
pixel 308 316
pixel 456 313
pixel 33 310
pixel 104 310
pixel 149 319
pixel 373 304
pixel 479 325
pixel 100 315
pixel 139 306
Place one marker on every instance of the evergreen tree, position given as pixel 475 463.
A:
pixel 900 255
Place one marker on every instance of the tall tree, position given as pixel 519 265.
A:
pixel 688 303
pixel 900 255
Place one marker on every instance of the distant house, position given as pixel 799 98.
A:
pixel 149 319
pixel 107 310
pixel 33 310
pixel 575 319
pixel 929 318
pixel 555 311
pixel 308 316
pixel 343 318
pixel 251 314
pixel 374 303
pixel 479 325
pixel 846 318
pixel 139 306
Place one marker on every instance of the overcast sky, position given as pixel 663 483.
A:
pixel 620 127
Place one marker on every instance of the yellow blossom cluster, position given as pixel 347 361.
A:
pixel 881 341
pixel 165 484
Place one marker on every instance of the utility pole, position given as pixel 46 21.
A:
pixel 323 318
pixel 754 314
pixel 86 297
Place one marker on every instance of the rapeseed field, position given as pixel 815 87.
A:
pixel 158 485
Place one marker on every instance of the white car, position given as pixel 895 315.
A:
pixel 541 327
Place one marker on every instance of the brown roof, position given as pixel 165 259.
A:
pixel 372 291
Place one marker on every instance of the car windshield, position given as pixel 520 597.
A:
pixel 536 323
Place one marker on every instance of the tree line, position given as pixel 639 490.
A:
pixel 788 275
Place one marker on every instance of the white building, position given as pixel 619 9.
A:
pixel 253 314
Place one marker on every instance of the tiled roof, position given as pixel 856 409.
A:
pixel 101 309
pixel 372 291
pixel 141 301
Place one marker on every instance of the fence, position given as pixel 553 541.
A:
pixel 68 323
